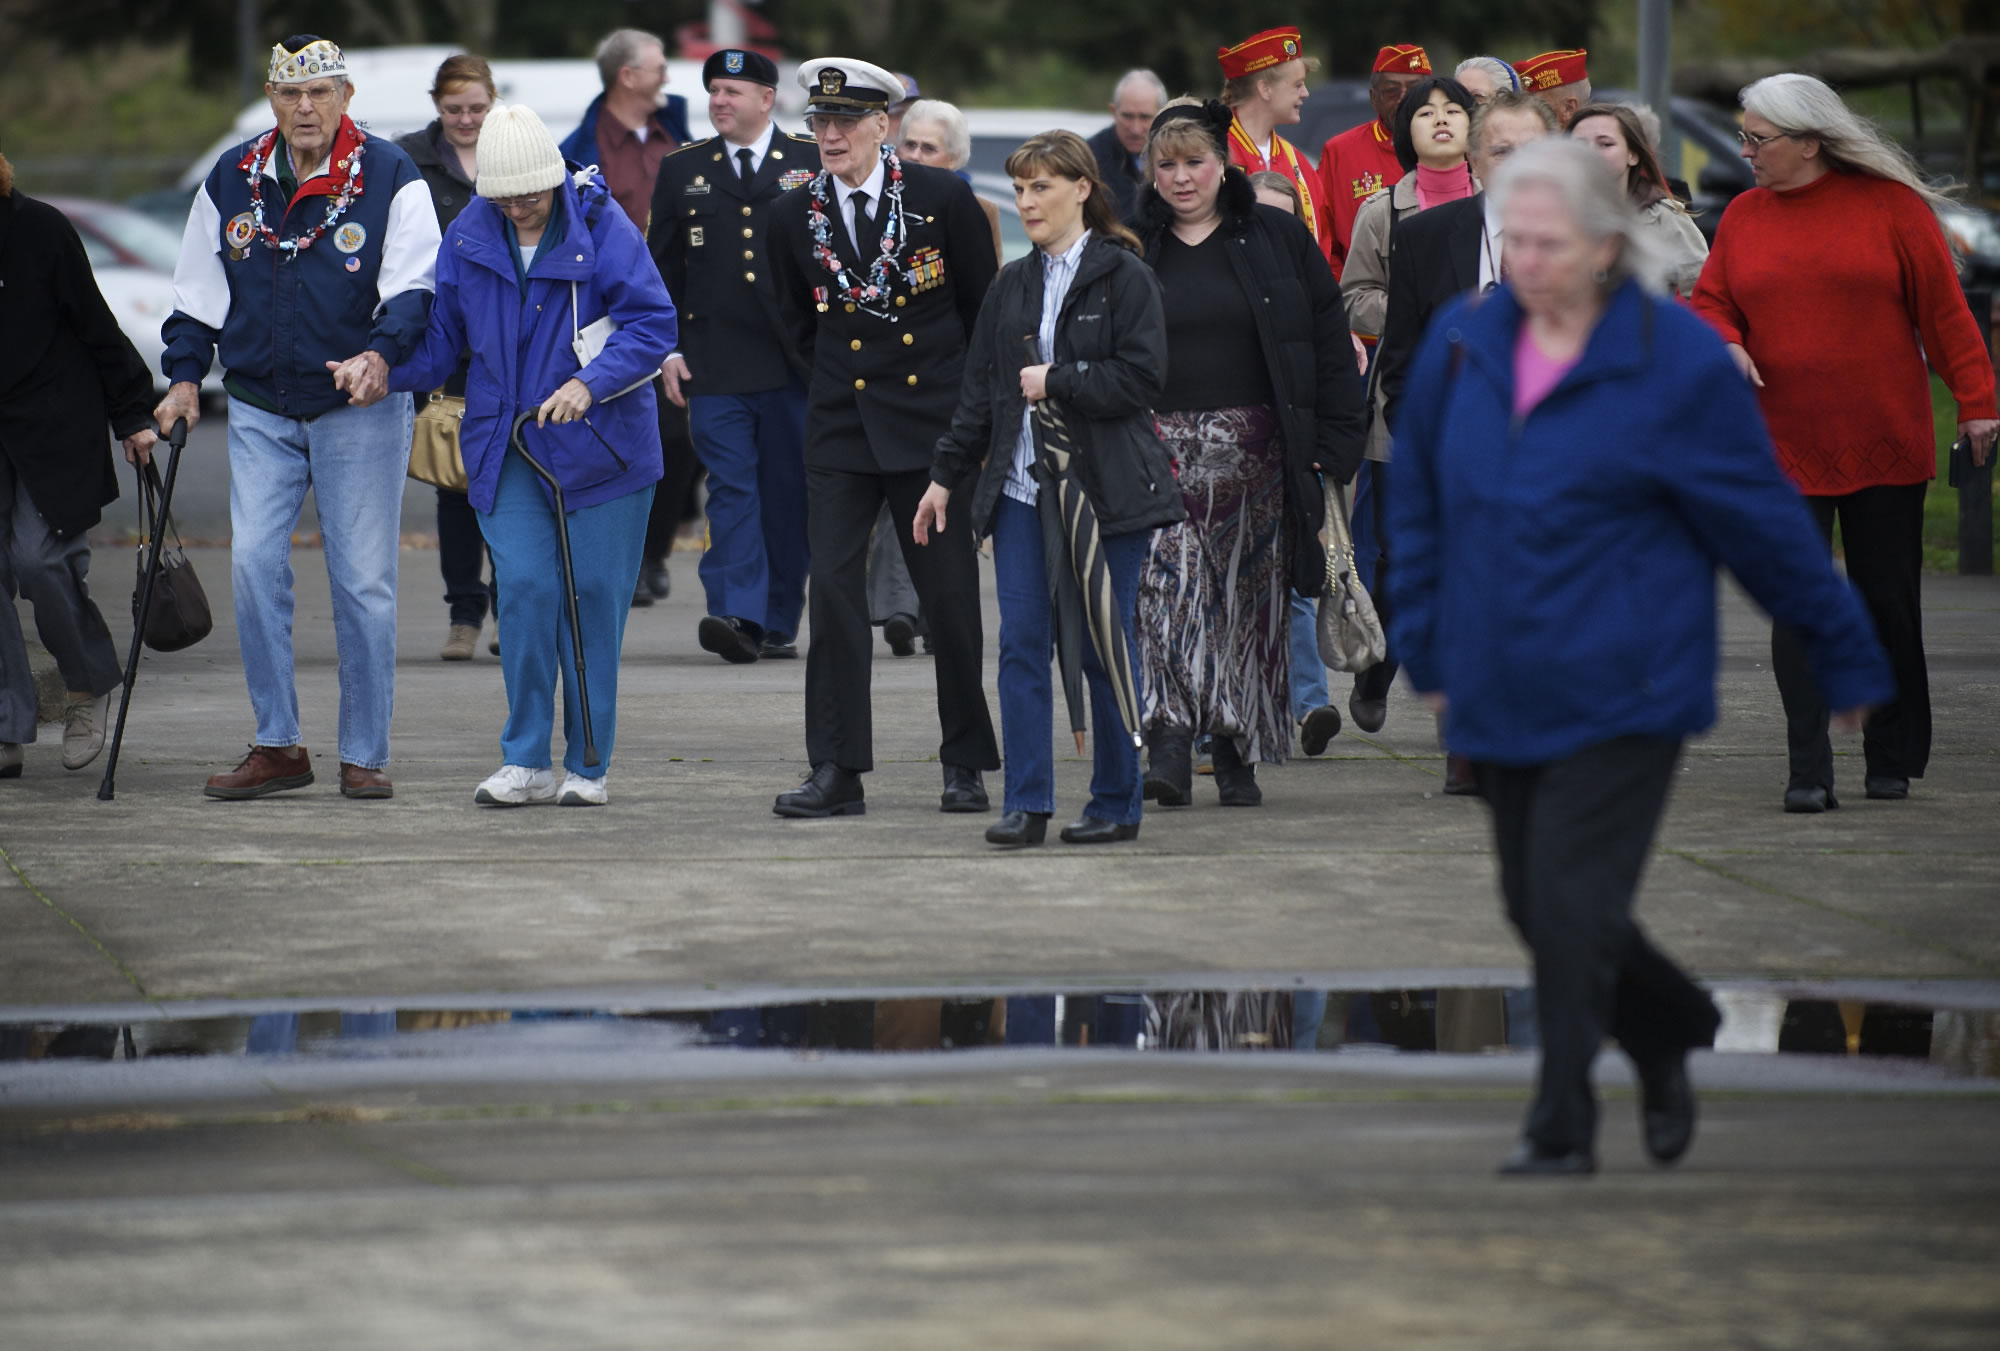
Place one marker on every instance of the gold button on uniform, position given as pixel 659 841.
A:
pixel 901 301
pixel 746 210
pixel 861 384
pixel 850 307
pixel 854 345
pixel 749 255
pixel 749 233
pixel 909 338
pixel 749 276
pixel 912 380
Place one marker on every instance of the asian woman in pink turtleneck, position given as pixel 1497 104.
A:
pixel 1430 131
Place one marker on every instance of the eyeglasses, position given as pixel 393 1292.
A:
pixel 321 94
pixel 512 204
pixel 1754 142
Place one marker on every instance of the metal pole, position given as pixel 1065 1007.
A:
pixel 1975 490
pixel 726 27
pixel 248 61
pixel 1656 64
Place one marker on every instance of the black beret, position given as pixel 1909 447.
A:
pixel 734 63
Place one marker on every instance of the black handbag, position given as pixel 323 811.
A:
pixel 178 616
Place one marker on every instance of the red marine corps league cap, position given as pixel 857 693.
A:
pixel 1552 70
pixel 1273 47
pixel 1402 59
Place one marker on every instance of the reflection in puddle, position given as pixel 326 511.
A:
pixel 1455 1020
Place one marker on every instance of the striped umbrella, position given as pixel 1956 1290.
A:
pixel 1079 578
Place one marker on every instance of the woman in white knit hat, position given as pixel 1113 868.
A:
pixel 544 252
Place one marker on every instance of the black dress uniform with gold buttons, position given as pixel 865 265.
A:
pixel 884 384
pixel 745 377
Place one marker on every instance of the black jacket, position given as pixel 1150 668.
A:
pixel 66 369
pixel 1110 358
pixel 884 386
pixel 1114 164
pixel 1302 328
pixel 1435 257
pixel 451 193
pixel 709 234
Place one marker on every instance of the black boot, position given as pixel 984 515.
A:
pixel 1019 829
pixel 1170 766
pixel 1235 782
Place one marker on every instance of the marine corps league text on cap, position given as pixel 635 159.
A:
pixel 1272 47
pixel 1552 70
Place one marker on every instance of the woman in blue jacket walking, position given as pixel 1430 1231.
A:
pixel 540 255
pixel 1555 598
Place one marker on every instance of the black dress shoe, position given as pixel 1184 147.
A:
pixel 1316 728
pixel 778 646
pixel 828 791
pixel 734 640
pixel 1368 714
pixel 964 791
pixel 1458 780
pixel 1090 830
pixel 1887 787
pixel 1019 828
pixel 1810 801
pixel 1529 1160
pixel 900 631
pixel 653 573
pixel 1666 1109
pixel 641 597
pixel 1170 766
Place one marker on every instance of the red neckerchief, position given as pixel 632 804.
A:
pixel 345 138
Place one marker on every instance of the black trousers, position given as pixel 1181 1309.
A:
pixel 670 498
pixel 840 514
pixel 462 560
pixel 1572 837
pixel 1882 533
pixel 1374 682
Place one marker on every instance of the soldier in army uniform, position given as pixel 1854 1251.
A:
pixel 880 267
pixel 737 370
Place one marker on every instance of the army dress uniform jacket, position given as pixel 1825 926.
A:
pixel 883 389
pixel 708 233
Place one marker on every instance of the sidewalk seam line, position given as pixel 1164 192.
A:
pixel 1884 926
pixel 75 924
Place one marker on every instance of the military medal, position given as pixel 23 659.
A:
pixel 256 161
pixel 819 298
pixel 873 296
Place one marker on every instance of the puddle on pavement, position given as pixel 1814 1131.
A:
pixel 1962 1040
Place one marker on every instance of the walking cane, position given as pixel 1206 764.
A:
pixel 175 440
pixel 520 443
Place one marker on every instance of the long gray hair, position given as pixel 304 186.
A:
pixel 1800 105
pixel 1597 201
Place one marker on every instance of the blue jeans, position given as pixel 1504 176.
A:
pixel 354 461
pixel 753 448
pixel 1308 672
pixel 1027 689
pixel 605 544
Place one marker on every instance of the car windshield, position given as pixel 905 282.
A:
pixel 159 246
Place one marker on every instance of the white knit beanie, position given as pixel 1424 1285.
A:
pixel 517 155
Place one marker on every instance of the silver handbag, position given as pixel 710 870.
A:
pixel 1350 632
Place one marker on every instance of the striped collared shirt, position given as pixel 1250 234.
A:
pixel 1057 274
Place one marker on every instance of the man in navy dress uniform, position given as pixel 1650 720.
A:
pixel 881 266
pixel 737 370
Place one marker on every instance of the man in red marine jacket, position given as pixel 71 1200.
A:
pixel 1361 161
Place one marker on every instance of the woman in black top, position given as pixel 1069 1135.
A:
pixel 446 154
pixel 1095 312
pixel 1261 398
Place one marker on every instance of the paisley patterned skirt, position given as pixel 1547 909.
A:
pixel 1214 599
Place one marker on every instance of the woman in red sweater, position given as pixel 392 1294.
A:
pixel 1832 284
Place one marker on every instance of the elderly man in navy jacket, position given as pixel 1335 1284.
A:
pixel 308 264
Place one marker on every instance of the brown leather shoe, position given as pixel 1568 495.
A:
pixel 266 769
pixel 358 782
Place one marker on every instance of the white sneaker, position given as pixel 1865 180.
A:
pixel 84 722
pixel 578 791
pixel 10 760
pixel 517 786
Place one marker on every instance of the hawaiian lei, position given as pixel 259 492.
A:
pixel 894 234
pixel 260 156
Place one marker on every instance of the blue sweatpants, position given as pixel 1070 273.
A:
pixel 605 542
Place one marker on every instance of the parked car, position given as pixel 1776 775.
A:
pixel 132 257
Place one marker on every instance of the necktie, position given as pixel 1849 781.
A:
pixel 866 237
pixel 743 159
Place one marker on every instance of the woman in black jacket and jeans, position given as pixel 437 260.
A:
pixel 1261 398
pixel 1095 310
